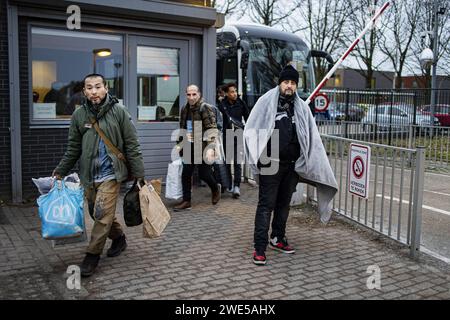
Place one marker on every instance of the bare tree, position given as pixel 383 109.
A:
pixel 270 12
pixel 421 41
pixel 227 7
pixel 366 53
pixel 401 22
pixel 322 23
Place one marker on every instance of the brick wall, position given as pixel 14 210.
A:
pixel 5 146
pixel 41 148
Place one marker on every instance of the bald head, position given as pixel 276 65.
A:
pixel 193 94
pixel 193 87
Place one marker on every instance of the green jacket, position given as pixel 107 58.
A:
pixel 115 121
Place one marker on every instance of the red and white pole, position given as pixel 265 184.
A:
pixel 347 52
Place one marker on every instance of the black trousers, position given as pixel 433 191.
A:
pixel 275 194
pixel 237 166
pixel 205 173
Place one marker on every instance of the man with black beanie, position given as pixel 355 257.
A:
pixel 275 191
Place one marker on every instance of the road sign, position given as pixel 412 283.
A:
pixel 359 165
pixel 321 102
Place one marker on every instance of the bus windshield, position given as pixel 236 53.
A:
pixel 266 59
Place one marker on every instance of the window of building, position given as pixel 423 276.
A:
pixel 60 61
pixel 158 83
pixel 337 81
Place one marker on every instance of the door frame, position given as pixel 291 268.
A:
pixel 131 87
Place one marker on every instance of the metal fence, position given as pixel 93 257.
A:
pixel 435 139
pixel 389 109
pixel 390 106
pixel 396 117
pixel 394 205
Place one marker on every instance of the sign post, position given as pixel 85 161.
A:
pixel 359 168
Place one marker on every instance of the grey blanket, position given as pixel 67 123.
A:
pixel 312 166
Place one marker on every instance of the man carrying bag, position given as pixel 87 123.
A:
pixel 102 167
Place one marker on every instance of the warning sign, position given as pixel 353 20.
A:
pixel 321 102
pixel 359 164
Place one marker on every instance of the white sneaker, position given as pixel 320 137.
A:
pixel 236 192
pixel 230 190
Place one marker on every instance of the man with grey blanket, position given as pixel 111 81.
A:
pixel 282 116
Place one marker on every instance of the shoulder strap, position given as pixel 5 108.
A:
pixel 233 121
pixel 112 147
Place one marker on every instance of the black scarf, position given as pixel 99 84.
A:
pixel 286 103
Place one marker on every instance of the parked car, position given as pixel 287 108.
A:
pixel 339 111
pixel 441 111
pixel 335 113
pixel 396 116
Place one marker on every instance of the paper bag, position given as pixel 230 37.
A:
pixel 154 213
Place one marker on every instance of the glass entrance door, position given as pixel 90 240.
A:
pixel 158 76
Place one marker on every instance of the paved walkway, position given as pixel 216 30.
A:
pixel 206 254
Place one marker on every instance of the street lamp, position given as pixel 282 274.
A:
pixel 103 52
pixel 429 57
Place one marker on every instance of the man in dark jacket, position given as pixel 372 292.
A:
pixel 234 110
pixel 275 191
pixel 101 170
pixel 197 118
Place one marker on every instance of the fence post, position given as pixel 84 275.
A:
pixel 410 146
pixel 377 102
pixel 347 102
pixel 416 223
pixel 415 108
pixel 390 119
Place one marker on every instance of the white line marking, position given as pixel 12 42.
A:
pixel 434 254
pixel 437 174
pixel 441 193
pixel 424 207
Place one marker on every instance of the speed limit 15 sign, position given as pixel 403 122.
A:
pixel 321 102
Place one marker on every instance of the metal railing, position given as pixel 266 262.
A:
pixel 394 205
pixel 435 139
pixel 396 182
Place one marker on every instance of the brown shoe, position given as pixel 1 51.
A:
pixel 216 195
pixel 185 205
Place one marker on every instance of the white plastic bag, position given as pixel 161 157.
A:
pixel 44 185
pixel 174 187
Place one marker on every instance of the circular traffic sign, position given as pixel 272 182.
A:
pixel 321 102
pixel 358 167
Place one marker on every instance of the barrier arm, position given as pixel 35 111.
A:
pixel 347 52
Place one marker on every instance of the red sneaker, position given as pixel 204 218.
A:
pixel 281 245
pixel 259 258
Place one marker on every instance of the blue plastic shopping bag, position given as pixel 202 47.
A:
pixel 61 212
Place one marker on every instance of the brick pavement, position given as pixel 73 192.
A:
pixel 206 254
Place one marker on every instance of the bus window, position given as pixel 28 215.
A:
pixel 226 58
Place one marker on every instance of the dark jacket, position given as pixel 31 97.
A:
pixel 237 111
pixel 199 112
pixel 115 121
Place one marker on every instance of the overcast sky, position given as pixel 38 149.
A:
pixel 348 62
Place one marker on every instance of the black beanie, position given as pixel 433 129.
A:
pixel 288 73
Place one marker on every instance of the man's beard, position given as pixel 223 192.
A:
pixel 287 93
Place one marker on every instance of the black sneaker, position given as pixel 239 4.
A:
pixel 259 258
pixel 118 245
pixel 89 264
pixel 281 245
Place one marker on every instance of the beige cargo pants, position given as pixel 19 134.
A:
pixel 102 200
